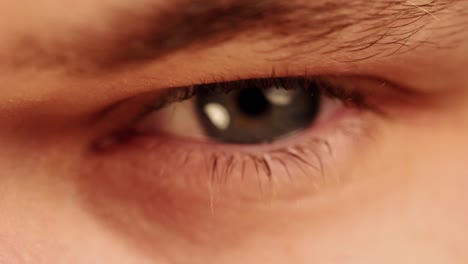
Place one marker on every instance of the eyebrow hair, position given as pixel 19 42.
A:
pixel 146 33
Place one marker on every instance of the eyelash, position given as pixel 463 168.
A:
pixel 321 83
pixel 223 162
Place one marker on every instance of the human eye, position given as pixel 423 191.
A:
pixel 253 139
pixel 245 112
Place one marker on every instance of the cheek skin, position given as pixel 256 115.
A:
pixel 395 209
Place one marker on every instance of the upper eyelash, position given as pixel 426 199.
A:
pixel 322 83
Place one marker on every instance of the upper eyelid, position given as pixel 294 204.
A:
pixel 186 92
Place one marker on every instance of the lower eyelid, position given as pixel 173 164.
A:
pixel 295 166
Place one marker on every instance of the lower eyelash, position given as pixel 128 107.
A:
pixel 223 164
pixel 268 169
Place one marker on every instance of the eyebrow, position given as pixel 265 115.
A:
pixel 149 32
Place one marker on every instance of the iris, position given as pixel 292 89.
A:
pixel 255 114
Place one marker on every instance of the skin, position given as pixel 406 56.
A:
pixel 400 198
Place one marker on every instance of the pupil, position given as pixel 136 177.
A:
pixel 253 102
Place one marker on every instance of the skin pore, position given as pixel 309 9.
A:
pixel 73 74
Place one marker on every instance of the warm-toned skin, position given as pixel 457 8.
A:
pixel 393 183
